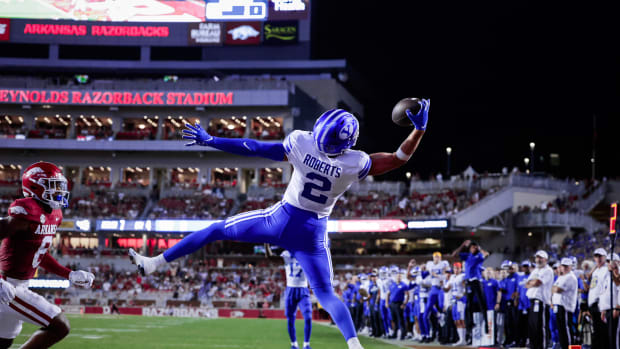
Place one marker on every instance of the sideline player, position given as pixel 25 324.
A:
pixel 456 285
pixel 325 166
pixel 434 303
pixel 384 311
pixel 26 236
pixel 296 294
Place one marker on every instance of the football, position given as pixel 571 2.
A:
pixel 399 116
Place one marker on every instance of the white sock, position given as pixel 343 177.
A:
pixel 461 332
pixel 294 344
pixel 306 344
pixel 159 260
pixel 354 343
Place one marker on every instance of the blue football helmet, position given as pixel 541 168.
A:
pixel 506 264
pixel 335 131
pixel 383 272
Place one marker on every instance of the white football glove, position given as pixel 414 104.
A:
pixel 7 292
pixel 81 278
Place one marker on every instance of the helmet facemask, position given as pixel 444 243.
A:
pixel 55 194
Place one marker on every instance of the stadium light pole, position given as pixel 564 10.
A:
pixel 532 146
pixel 527 162
pixel 612 237
pixel 448 152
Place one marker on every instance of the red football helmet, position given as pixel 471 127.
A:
pixel 45 182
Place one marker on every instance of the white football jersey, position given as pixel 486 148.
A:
pixel 384 288
pixel 319 180
pixel 423 282
pixel 457 286
pixel 295 276
pixel 438 269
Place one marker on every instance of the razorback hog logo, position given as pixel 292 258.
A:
pixel 18 210
pixel 34 171
pixel 243 32
pixel 46 229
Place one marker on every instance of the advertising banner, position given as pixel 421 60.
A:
pixel 97 33
pixel 288 9
pixel 205 33
pixel 280 33
pixel 162 11
pixel 5 29
pixel 243 33
pixel 191 225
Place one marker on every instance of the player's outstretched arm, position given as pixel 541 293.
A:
pixel 386 162
pixel 79 278
pixel 239 146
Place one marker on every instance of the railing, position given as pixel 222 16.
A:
pixel 515 180
pixel 587 204
pixel 228 193
pixel 264 192
pixel 575 188
pixel 147 84
pixel 554 219
pixel 459 184
pixel 393 188
pixel 486 208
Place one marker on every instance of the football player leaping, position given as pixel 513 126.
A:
pixel 26 236
pixel 324 168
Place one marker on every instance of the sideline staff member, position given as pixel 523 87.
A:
pixel 538 286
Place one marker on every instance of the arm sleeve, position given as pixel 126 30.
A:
pixel 249 147
pixel 51 265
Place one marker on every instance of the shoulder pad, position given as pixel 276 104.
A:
pixel 26 208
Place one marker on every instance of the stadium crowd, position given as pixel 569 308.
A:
pixel 106 204
pixel 442 203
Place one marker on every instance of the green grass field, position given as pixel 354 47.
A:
pixel 107 331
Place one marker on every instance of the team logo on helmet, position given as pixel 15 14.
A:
pixel 346 131
pixel 33 171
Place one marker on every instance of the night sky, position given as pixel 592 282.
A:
pixel 500 75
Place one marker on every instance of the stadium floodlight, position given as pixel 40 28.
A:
pixel 532 146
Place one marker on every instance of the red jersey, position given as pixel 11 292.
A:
pixel 22 252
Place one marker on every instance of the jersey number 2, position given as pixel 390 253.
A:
pixel 325 185
pixel 45 245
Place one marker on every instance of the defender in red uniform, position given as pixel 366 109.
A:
pixel 26 236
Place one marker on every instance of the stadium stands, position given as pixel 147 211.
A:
pixel 211 206
pixel 105 204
